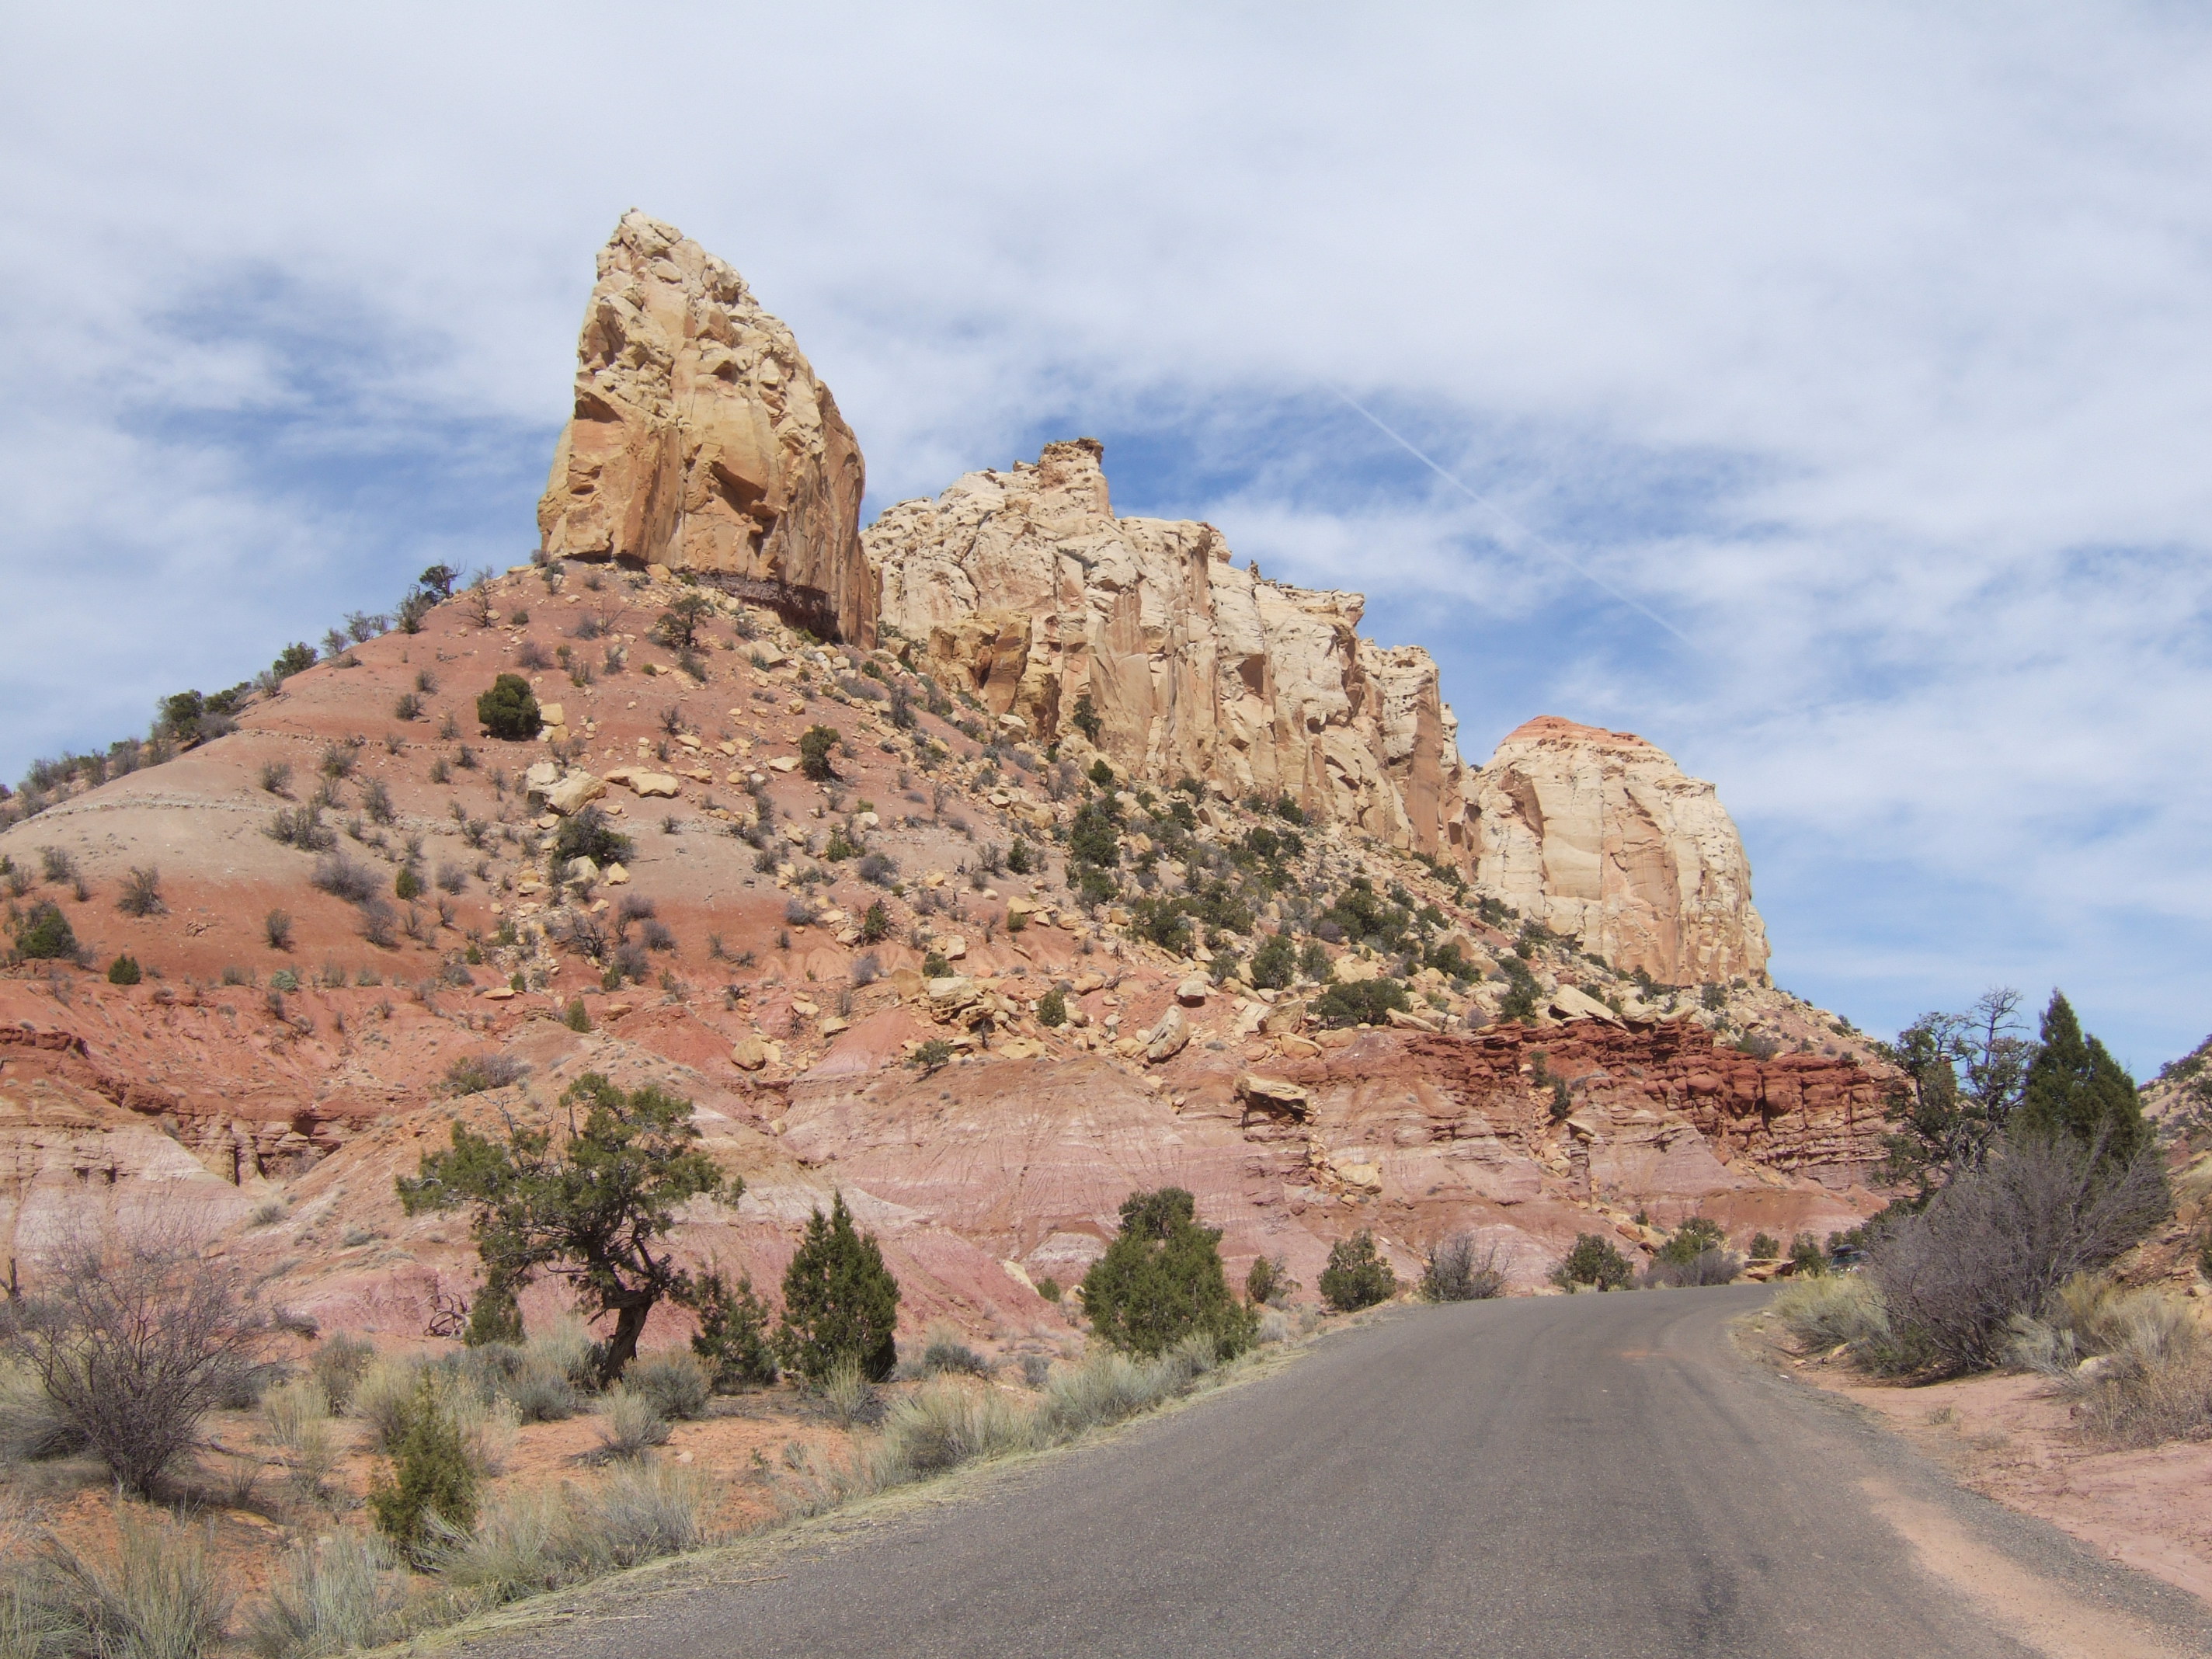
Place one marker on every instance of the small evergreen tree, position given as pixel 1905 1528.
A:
pixel 839 1301
pixel 1593 1261
pixel 2077 1089
pixel 816 746
pixel 1161 1280
pixel 509 709
pixel 495 1318
pixel 124 970
pixel 734 1334
pixel 1361 1002
pixel 1357 1275
pixel 679 625
pixel 1275 963
pixel 1052 1007
pixel 430 1474
pixel 44 934
pixel 1084 719
pixel 1692 1240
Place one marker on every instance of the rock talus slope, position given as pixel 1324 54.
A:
pixel 702 440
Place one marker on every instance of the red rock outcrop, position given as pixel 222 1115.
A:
pixel 703 441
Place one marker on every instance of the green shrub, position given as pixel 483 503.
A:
pixel 1806 1257
pixel 431 1475
pixel 1764 1247
pixel 509 709
pixel 576 1017
pixel 124 970
pixel 816 746
pixel 44 934
pixel 1357 1275
pixel 1275 963
pixel 1161 1280
pixel 1691 1240
pixel 1592 1262
pixel 1048 1288
pixel 839 1300
pixel 1267 1281
pixel 592 835
pixel 494 1316
pixel 1052 1008
pixel 1362 1002
pixel 1084 718
pixel 733 1338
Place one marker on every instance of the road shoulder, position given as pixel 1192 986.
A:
pixel 2008 1439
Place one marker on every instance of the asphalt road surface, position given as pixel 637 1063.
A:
pixel 1554 1477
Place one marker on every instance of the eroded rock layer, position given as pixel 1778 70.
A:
pixel 702 440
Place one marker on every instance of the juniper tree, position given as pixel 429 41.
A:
pixel 839 1300
pixel 596 1211
pixel 1161 1280
pixel 2075 1090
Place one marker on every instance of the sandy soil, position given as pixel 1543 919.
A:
pixel 2012 1439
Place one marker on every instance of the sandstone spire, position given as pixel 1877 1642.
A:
pixel 1600 834
pixel 702 440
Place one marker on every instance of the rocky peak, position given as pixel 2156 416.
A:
pixel 702 440
pixel 1599 834
pixel 1026 591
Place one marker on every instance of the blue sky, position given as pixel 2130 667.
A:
pixel 1868 347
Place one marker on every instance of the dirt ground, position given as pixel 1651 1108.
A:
pixel 2011 1438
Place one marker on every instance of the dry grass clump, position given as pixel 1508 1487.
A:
pixel 1831 1312
pixel 2137 1361
pixel 158 1597
pixel 543 1539
pixel 331 1595
pixel 630 1423
pixel 31 1428
pixel 673 1380
pixel 387 1401
pixel 948 1421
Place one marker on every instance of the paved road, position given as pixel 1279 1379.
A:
pixel 1555 1478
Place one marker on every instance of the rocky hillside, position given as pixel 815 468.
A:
pixel 986 975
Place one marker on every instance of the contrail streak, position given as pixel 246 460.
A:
pixel 1514 529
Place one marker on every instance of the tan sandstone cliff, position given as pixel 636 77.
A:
pixel 1022 587
pixel 1600 836
pixel 702 440
pixel 1025 587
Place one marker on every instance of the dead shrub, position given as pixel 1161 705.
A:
pixel 1456 1273
pixel 136 1338
pixel 2001 1241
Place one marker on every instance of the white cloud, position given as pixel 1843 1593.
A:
pixel 1872 347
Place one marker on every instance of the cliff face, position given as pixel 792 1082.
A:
pixel 1600 835
pixel 702 440
pixel 1023 588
